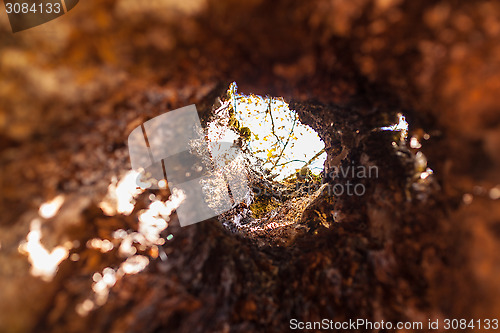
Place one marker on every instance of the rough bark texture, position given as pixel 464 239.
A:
pixel 72 90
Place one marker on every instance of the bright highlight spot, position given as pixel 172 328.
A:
pixel 44 264
pixel 402 126
pixel 495 193
pixel 120 197
pixel 49 209
pixel 155 219
pixel 135 264
pixel 414 143
pixel 102 245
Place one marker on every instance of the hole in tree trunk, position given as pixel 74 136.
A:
pixel 307 167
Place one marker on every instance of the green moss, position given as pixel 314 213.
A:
pixel 262 205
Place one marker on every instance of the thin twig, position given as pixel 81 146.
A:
pixel 269 108
pixel 286 144
pixel 287 162
pixel 314 157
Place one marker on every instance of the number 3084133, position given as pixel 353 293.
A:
pixel 25 8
